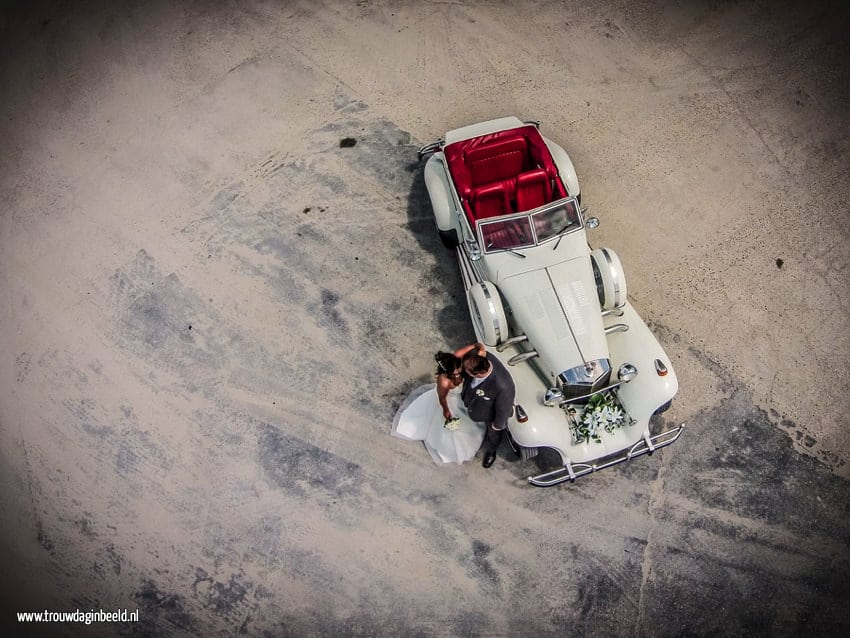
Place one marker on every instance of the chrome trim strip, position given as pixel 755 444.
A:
pixel 468 271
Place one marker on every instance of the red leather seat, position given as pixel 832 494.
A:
pixel 533 189
pixel 497 161
pixel 490 201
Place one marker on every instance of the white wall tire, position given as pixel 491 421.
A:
pixel 488 315
pixel 610 278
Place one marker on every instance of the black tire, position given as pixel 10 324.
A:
pixel 663 408
pixel 519 451
pixel 449 238
pixel 513 444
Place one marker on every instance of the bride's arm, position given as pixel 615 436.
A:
pixel 463 351
pixel 443 387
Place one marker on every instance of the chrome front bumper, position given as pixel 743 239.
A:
pixel 572 471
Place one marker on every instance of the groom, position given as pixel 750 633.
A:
pixel 488 394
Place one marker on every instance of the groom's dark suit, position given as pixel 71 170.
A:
pixel 491 401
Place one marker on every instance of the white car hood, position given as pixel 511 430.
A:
pixel 558 309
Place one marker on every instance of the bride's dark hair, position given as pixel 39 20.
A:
pixel 447 363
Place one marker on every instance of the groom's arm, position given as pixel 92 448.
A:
pixel 504 405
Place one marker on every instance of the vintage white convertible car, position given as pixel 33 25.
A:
pixel 589 373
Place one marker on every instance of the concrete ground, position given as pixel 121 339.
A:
pixel 211 311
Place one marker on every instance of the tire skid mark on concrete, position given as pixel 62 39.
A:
pixel 749 519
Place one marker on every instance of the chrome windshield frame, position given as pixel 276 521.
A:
pixel 529 214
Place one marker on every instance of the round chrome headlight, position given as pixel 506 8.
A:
pixel 627 372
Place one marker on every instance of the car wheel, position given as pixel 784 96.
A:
pixel 663 408
pixel 526 453
pixel 521 452
pixel 449 238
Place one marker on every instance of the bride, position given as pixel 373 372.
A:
pixel 435 414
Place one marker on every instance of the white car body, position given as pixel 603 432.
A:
pixel 551 309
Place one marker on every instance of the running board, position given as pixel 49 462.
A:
pixel 572 471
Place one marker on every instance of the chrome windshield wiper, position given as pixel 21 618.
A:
pixel 510 250
pixel 561 234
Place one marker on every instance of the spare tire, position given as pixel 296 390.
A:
pixel 610 279
pixel 488 315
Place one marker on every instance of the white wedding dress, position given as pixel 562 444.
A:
pixel 420 418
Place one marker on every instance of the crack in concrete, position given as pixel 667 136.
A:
pixel 655 496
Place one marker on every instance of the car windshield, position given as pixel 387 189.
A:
pixel 524 231
pixel 506 234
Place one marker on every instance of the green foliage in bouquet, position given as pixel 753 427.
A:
pixel 600 414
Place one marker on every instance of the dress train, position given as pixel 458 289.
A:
pixel 420 418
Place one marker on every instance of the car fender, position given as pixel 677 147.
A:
pixel 437 183
pixel 565 167
pixel 542 434
pixel 648 391
pixel 547 427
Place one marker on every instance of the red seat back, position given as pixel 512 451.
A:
pixel 496 161
pixel 490 201
pixel 533 189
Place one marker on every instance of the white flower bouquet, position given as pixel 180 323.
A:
pixel 600 414
pixel 452 424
